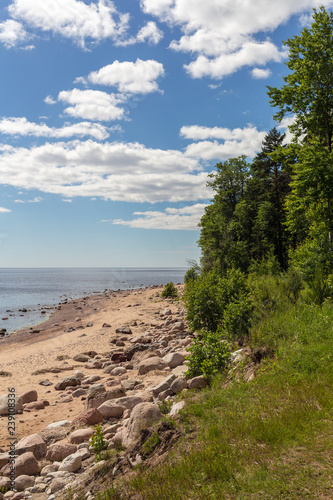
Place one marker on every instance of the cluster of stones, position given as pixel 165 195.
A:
pixel 118 399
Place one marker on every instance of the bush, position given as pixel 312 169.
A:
pixel 209 355
pixel 98 442
pixel 209 298
pixel 191 274
pixel 169 291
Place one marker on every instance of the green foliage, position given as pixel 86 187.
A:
pixel 169 291
pixel 98 442
pixel 214 302
pixel 209 355
pixel 165 406
pixel 191 274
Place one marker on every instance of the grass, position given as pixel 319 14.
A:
pixel 270 438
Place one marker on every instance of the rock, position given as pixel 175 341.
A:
pixel 163 386
pixel 29 396
pixel 22 482
pixel 95 389
pixel 165 394
pixel 84 453
pixel 78 374
pixel 59 424
pixel 110 409
pixel 151 364
pixel 178 326
pixel 10 404
pixel 94 365
pixel 89 417
pixel 97 399
pixel 47 469
pixel 81 358
pixel 58 452
pixel 58 483
pixel 5 482
pixel 106 325
pixel 143 415
pixel 35 405
pixel 72 463
pixel 128 385
pixel 4 459
pixel 81 435
pixel 178 385
pixel 124 329
pixel 197 383
pixel 119 370
pixel 118 357
pixel 45 382
pixel 69 381
pixel 33 443
pixel 174 359
pixel 166 312
pixel 79 392
pixel 90 380
pixel 25 464
pixel 176 407
pixel 129 401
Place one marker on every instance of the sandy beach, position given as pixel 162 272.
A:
pixel 83 325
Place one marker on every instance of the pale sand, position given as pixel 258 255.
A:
pixel 23 353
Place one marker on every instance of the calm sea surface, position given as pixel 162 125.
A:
pixel 33 288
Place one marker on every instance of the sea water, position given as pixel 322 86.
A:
pixel 32 289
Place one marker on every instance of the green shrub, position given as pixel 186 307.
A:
pixel 191 274
pixel 169 291
pixel 98 442
pixel 209 355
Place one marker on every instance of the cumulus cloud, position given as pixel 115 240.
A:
pixel 74 19
pixel 12 33
pixel 236 142
pixel 49 100
pixel 186 218
pixel 137 77
pixel 4 210
pixel 149 33
pixel 222 34
pixel 115 171
pixel 93 104
pixel 21 126
pixel 260 73
pixel 37 199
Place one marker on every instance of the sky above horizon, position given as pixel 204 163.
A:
pixel 113 114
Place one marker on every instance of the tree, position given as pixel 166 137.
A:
pixel 308 91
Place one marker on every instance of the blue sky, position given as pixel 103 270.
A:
pixel 113 113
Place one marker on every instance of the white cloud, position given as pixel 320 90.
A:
pixel 148 33
pixel 21 126
pixel 74 19
pixel 12 33
pixel 284 127
pixel 49 100
pixel 4 210
pixel 222 34
pixel 115 171
pixel 236 142
pixel 186 218
pixel 260 73
pixel 66 200
pixel 37 199
pixel 93 104
pixel 137 77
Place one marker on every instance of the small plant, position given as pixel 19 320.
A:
pixel 165 406
pixel 209 355
pixel 98 442
pixel 150 445
pixel 169 291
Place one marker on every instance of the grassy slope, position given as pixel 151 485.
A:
pixel 270 438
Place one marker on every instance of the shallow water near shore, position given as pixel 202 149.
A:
pixel 33 289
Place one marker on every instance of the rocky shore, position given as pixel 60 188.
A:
pixel 112 360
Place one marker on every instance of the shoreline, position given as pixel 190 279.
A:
pixel 81 325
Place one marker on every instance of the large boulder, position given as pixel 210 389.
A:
pixel 143 416
pixel 22 482
pixel 10 404
pixel 58 452
pixel 95 389
pixel 88 417
pixel 34 443
pixel 81 435
pixel 29 396
pixel 25 464
pixel 164 385
pixel 129 401
pixel 173 359
pixel 68 381
pixel 197 382
pixel 97 399
pixel 151 364
pixel 72 463
pixel 110 409
pixel 178 385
